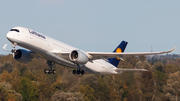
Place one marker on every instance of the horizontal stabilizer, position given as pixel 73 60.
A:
pixel 119 70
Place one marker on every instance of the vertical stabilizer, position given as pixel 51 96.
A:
pixel 119 49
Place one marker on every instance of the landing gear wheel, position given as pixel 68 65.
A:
pixel 49 72
pixel 82 72
pixel 74 72
pixel 46 71
pixel 54 71
pixel 78 71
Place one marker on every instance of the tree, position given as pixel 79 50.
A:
pixel 6 66
pixel 159 67
pixel 7 94
pixel 118 85
pixel 45 91
pixel 102 92
pixel 28 74
pixel 171 89
pixel 90 80
pixel 88 93
pixel 139 65
pixel 159 80
pixel 66 96
pixel 6 77
pixel 145 84
pixel 43 86
pixel 28 90
pixel 141 58
pixel 170 69
pixel 15 74
pixel 134 95
pixel 69 79
pixel 143 65
pixel 12 95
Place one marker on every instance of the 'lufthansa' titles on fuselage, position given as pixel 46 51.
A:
pixel 37 34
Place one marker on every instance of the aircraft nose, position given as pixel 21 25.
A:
pixel 9 35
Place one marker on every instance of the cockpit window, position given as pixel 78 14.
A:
pixel 14 30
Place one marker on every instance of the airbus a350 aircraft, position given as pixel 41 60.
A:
pixel 57 52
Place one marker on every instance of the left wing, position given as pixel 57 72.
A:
pixel 102 55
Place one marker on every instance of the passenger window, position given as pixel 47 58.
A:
pixel 14 30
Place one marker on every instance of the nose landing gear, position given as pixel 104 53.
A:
pixel 50 64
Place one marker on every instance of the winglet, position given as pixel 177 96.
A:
pixel 172 49
pixel 168 51
pixel 4 48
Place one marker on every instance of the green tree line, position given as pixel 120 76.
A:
pixel 27 82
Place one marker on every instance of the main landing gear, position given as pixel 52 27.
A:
pixel 78 71
pixel 50 64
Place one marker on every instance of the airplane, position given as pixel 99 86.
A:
pixel 39 45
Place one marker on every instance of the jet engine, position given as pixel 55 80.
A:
pixel 22 55
pixel 79 57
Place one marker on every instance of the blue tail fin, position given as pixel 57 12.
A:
pixel 119 49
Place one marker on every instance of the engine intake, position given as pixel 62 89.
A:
pixel 23 56
pixel 79 57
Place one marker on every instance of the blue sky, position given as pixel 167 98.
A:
pixel 97 25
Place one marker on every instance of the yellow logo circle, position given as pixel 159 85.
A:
pixel 118 50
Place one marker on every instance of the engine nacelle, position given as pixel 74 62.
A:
pixel 79 57
pixel 23 56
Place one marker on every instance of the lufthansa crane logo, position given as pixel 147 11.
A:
pixel 118 50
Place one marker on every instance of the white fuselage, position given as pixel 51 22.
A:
pixel 46 46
